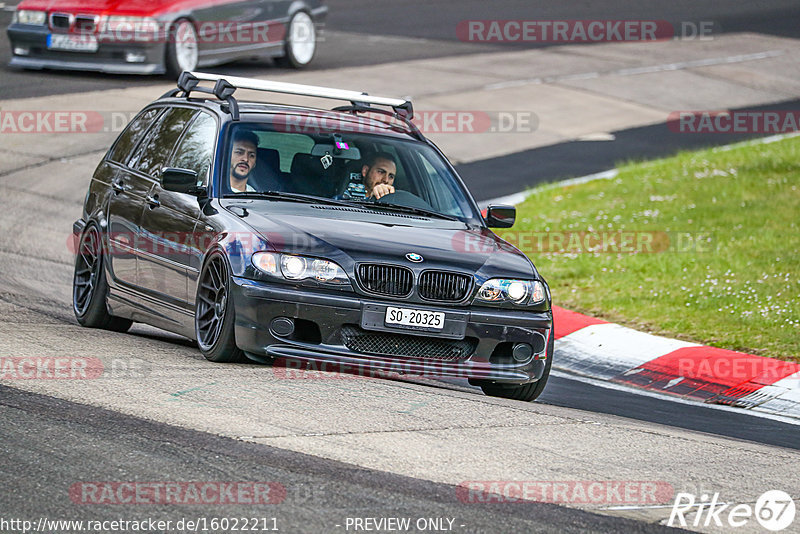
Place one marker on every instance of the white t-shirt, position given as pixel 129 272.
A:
pixel 248 189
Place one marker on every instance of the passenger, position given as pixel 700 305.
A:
pixel 244 153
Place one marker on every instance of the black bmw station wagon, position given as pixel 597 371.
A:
pixel 340 237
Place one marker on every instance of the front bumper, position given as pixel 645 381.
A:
pixel 328 314
pixel 109 57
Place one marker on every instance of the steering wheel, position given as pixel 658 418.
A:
pixel 404 198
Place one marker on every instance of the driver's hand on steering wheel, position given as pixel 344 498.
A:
pixel 381 190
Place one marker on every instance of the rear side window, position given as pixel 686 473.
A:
pixel 196 149
pixel 128 140
pixel 153 152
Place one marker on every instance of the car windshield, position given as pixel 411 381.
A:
pixel 380 172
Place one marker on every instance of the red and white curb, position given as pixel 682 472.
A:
pixel 606 351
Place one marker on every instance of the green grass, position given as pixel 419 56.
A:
pixel 735 284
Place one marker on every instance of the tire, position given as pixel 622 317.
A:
pixel 90 287
pixel 526 392
pixel 182 49
pixel 301 42
pixel 214 313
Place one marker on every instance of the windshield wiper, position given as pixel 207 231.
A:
pixel 311 199
pixel 283 195
pixel 406 209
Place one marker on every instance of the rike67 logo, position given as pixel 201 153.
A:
pixel 774 510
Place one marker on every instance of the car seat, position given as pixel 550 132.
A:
pixel 267 175
pixel 309 176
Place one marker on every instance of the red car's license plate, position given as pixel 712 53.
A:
pixel 73 43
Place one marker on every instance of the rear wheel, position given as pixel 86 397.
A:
pixel 214 314
pixel 90 287
pixel 301 42
pixel 525 392
pixel 182 52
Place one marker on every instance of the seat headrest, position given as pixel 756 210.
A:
pixel 269 157
pixel 306 163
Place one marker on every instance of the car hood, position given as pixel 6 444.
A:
pixel 352 236
pixel 121 7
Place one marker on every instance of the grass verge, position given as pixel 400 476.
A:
pixel 702 246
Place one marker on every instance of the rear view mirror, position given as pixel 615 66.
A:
pixel 181 181
pixel 340 150
pixel 500 216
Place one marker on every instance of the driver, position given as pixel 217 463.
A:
pixel 378 175
pixel 244 154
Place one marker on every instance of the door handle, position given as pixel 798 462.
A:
pixel 152 201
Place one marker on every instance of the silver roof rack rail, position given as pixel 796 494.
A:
pixel 188 82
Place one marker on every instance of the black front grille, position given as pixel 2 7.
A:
pixel 443 285
pixel 86 23
pixel 389 280
pixel 60 21
pixel 407 346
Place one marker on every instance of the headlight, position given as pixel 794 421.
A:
pixel 266 262
pixel 499 290
pixel 26 16
pixel 294 267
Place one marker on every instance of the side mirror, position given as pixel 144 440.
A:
pixel 181 181
pixel 500 216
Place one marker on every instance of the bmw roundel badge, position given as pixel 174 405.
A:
pixel 413 256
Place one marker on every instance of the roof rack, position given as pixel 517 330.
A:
pixel 225 86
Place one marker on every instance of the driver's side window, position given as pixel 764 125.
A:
pixel 196 149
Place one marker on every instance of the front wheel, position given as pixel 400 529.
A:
pixel 526 392
pixel 90 287
pixel 214 314
pixel 301 42
pixel 182 52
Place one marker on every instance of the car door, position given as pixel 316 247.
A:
pixel 232 28
pixel 168 218
pixel 126 200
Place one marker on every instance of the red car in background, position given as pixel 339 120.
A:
pixel 162 36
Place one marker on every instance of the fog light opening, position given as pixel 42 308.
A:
pixel 282 326
pixel 21 51
pixel 135 57
pixel 539 345
pixel 522 352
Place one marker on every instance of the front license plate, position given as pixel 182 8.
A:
pixel 428 320
pixel 73 43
